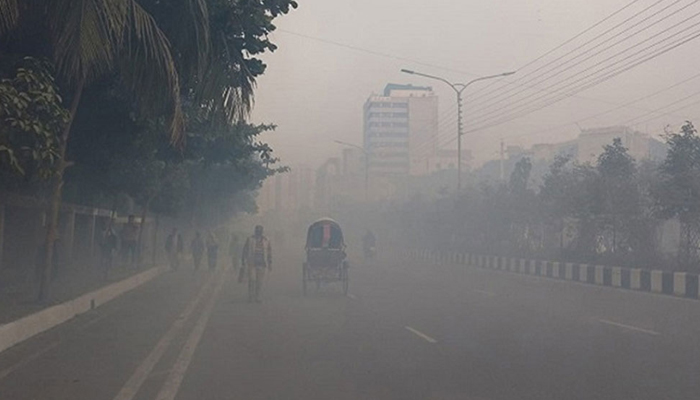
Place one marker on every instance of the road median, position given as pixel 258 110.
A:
pixel 678 284
pixel 17 331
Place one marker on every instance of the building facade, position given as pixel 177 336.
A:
pixel 289 191
pixel 400 129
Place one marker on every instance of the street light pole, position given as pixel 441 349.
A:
pixel 458 88
pixel 366 165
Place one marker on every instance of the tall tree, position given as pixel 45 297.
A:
pixel 619 194
pixel 87 39
pixel 678 192
pixel 31 117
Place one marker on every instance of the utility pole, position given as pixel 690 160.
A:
pixel 460 132
pixel 503 152
pixel 458 88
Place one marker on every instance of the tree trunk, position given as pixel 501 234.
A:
pixel 55 199
pixel 139 246
pixel 561 235
pixel 614 238
pixel 155 239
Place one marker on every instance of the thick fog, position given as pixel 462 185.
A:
pixel 267 200
pixel 333 55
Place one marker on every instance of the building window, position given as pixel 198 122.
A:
pixel 392 134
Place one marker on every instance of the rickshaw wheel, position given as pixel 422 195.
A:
pixel 304 274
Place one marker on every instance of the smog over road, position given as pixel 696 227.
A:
pixel 308 199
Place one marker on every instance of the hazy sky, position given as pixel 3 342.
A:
pixel 314 90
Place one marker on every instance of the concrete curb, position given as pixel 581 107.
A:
pixel 679 284
pixel 24 328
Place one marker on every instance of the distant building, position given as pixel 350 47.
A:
pixel 327 184
pixel 400 130
pixel 289 191
pixel 444 159
pixel 586 148
pixel 549 151
pixel 591 141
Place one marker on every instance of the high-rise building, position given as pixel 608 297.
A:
pixel 287 192
pixel 400 130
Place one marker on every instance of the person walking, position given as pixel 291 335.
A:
pixel 369 245
pixel 108 244
pixel 233 251
pixel 129 241
pixel 256 258
pixel 212 250
pixel 197 249
pixel 179 250
pixel 171 248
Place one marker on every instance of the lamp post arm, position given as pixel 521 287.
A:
pixel 437 78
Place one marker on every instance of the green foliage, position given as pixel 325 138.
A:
pixel 136 57
pixel 206 181
pixel 570 190
pixel 619 196
pixel 678 193
pixel 520 176
pixel 31 119
pixel 582 212
pixel 237 33
pixel 87 39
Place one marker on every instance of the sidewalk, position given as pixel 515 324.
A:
pixel 18 290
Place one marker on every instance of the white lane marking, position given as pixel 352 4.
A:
pixel 421 335
pixel 630 327
pixel 486 292
pixel 352 296
pixel 132 386
pixel 174 379
pixel 7 371
pixel 28 359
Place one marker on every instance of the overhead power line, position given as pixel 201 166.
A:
pixel 590 28
pixel 559 69
pixel 493 121
pixel 374 52
pixel 596 115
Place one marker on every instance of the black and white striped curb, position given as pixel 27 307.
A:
pixel 681 284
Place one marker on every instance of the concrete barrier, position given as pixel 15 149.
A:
pixel 556 270
pixel 18 331
pixel 679 279
pixel 617 277
pixel 635 279
pixel 680 284
pixel 569 271
pixel 656 281
pixel 599 272
pixel 583 273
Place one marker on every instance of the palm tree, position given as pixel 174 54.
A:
pixel 89 38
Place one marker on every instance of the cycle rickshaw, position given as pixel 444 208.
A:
pixel 325 256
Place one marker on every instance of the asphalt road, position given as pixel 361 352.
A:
pixel 407 331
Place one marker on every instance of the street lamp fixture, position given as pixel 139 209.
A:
pixel 458 89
